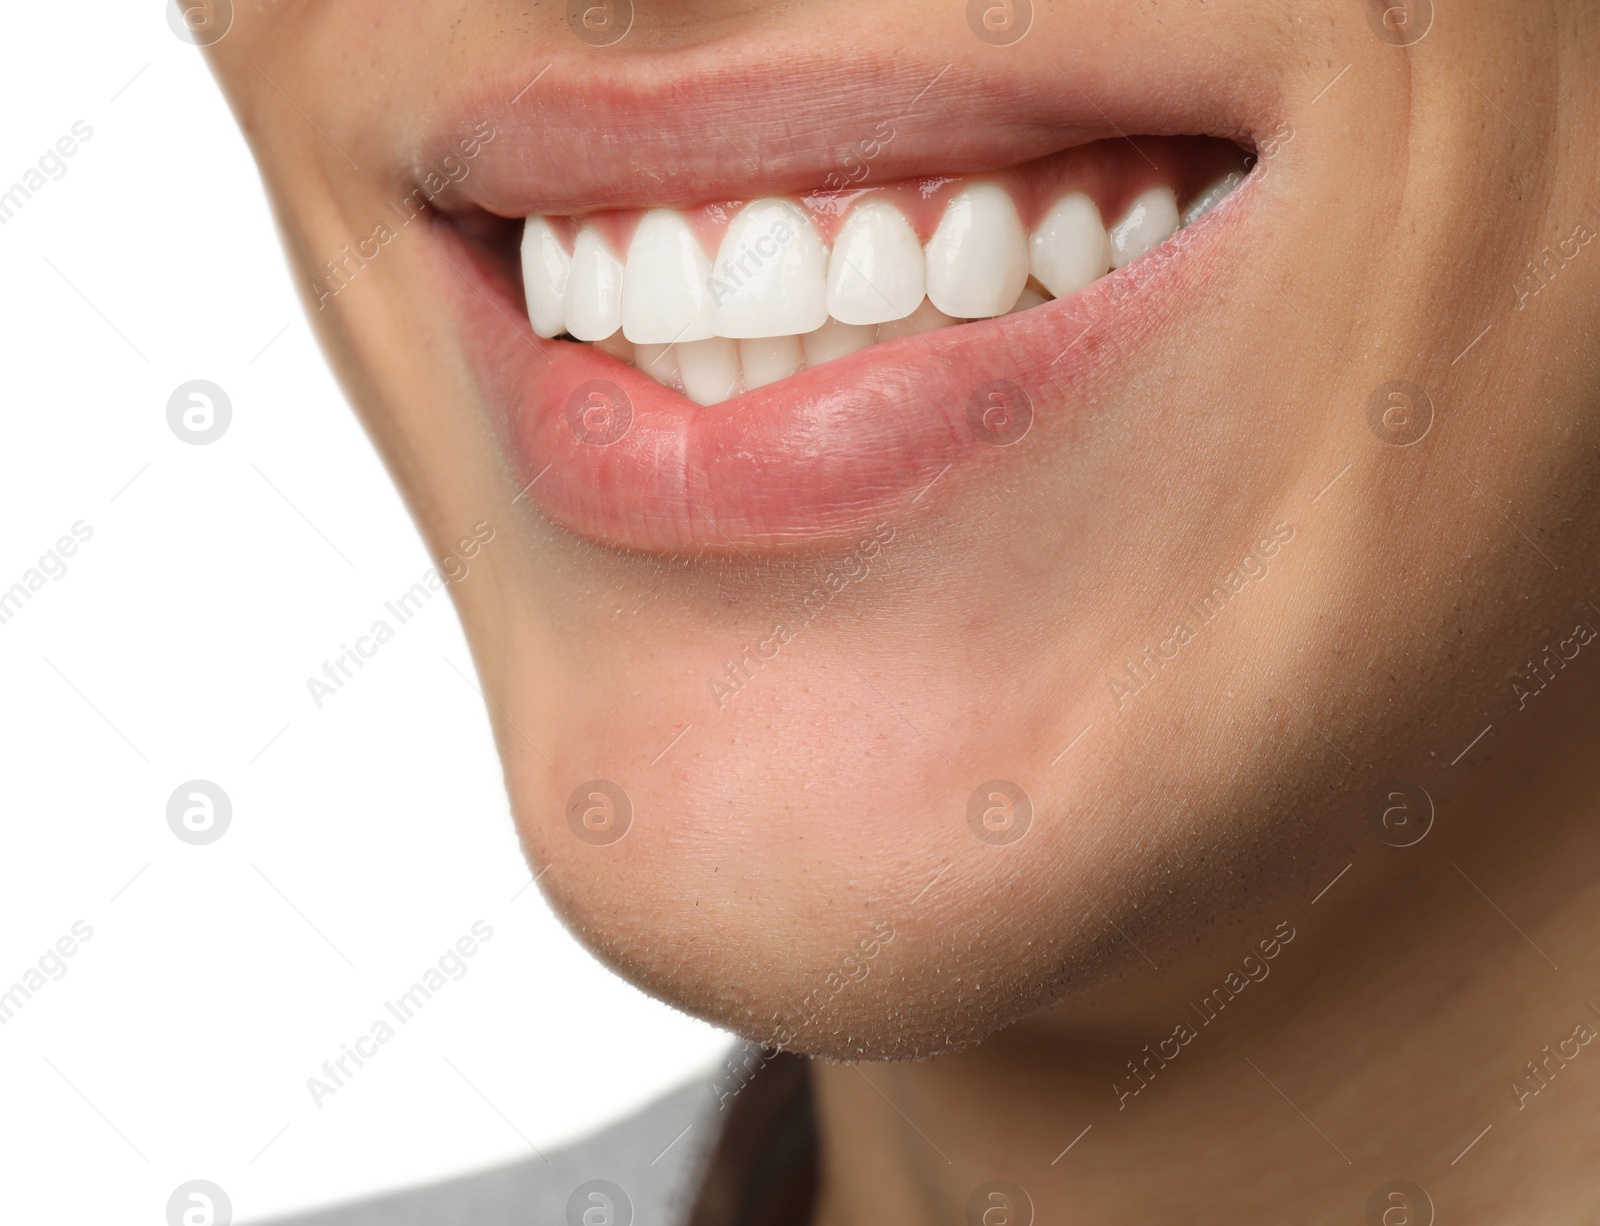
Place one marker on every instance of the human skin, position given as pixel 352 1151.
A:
pixel 1385 235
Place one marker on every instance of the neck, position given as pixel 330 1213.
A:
pixel 1430 1020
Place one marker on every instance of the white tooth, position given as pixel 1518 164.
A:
pixel 836 340
pixel 594 289
pixel 1027 300
pixel 926 318
pixel 1070 248
pixel 771 273
pixel 769 358
pixel 618 346
pixel 545 265
pixel 978 257
pixel 1212 196
pixel 660 362
pixel 876 271
pixel 710 369
pixel 1149 221
pixel 666 295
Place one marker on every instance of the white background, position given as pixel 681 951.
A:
pixel 366 836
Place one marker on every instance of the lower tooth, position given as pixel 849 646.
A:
pixel 769 359
pixel 836 340
pixel 1149 221
pixel 660 362
pixel 618 346
pixel 710 369
pixel 1212 196
pixel 925 318
pixel 1027 300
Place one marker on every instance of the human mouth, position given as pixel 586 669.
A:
pixel 732 296
pixel 746 354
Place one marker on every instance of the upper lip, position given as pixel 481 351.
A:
pixel 683 128
pixel 812 459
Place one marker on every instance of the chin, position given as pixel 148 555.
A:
pixel 882 847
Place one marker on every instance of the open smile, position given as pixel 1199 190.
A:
pixel 748 369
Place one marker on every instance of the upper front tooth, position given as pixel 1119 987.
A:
pixel 545 265
pixel 666 293
pixel 771 273
pixel 978 256
pixel 876 272
pixel 594 289
pixel 1212 196
pixel 1070 248
pixel 1149 221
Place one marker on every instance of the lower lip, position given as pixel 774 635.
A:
pixel 611 455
